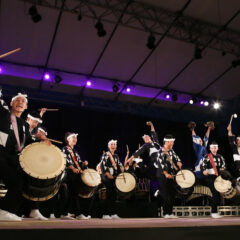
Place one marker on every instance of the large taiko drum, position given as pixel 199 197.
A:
pixel 185 180
pixel 90 179
pixel 125 184
pixel 43 168
pixel 225 187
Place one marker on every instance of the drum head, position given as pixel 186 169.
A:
pixel 125 182
pixel 222 185
pixel 91 177
pixel 185 178
pixel 42 161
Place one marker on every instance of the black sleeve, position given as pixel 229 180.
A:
pixel 142 149
pixel 231 140
pixel 154 136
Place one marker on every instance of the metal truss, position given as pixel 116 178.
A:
pixel 152 19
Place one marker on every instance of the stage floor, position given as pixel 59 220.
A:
pixel 128 223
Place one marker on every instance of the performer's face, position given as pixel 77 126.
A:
pixel 169 144
pixel 72 141
pixel 32 123
pixel 238 142
pixel 19 105
pixel 147 139
pixel 214 149
pixel 113 146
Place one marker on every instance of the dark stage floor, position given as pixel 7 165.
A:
pixel 126 228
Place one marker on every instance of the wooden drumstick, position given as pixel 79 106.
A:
pixel 231 120
pixel 124 178
pixel 49 109
pixel 53 140
pixel 9 53
pixel 182 174
pixel 127 149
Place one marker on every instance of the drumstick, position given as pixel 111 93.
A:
pixel 9 53
pixel 127 149
pixel 182 174
pixel 56 141
pixel 49 109
pixel 124 178
pixel 231 119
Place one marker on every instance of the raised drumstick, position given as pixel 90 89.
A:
pixel 50 109
pixel 56 141
pixel 9 53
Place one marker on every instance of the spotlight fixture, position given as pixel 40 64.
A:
pixel 128 89
pixel 36 17
pixel 193 100
pixel 197 53
pixel 167 96
pixel 46 76
pixel 151 41
pixel 235 63
pixel 58 78
pixel 88 83
pixel 201 102
pixel 115 88
pixel 216 105
pixel 174 97
pixel 206 103
pixel 100 29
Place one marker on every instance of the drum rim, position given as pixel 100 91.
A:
pixel 126 174
pixel 43 177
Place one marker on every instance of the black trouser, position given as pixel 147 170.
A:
pixel 216 198
pixel 12 177
pixel 109 205
pixel 167 191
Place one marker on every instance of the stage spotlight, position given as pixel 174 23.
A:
pixel 193 100
pixel 206 103
pixel 36 17
pixel 88 83
pixel 235 63
pixel 115 88
pixel 58 78
pixel 201 102
pixel 46 76
pixel 100 29
pixel 167 96
pixel 151 41
pixel 128 89
pixel 216 105
pixel 174 97
pixel 197 53
pixel 1 69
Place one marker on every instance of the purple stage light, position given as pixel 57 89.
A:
pixel 1 69
pixel 46 76
pixel 167 96
pixel 89 83
pixel 128 89
pixel 202 102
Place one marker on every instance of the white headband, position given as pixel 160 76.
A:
pixel 20 95
pixel 33 118
pixel 169 139
pixel 213 145
pixel 40 129
pixel 112 141
pixel 145 136
pixel 71 135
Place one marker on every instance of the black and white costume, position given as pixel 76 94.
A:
pixel 72 180
pixel 109 206
pixel 210 178
pixel 9 160
pixel 167 187
pixel 236 153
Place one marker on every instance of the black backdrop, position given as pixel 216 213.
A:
pixel 96 128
